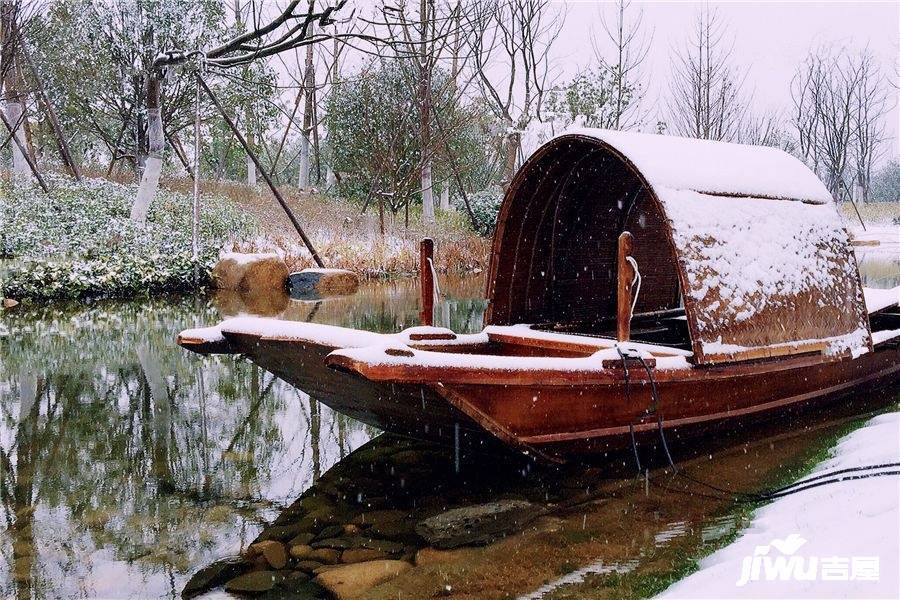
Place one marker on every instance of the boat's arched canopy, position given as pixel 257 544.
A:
pixel 746 238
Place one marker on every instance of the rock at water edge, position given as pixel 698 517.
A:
pixel 353 580
pixel 319 283
pixel 249 272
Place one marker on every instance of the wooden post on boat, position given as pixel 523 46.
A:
pixel 426 279
pixel 625 278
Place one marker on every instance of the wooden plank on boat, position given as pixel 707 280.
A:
pixel 566 343
pixel 768 352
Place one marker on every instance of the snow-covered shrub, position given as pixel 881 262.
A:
pixel 79 241
pixel 485 207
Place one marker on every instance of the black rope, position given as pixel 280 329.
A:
pixel 634 448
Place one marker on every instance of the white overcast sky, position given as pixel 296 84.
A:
pixel 770 39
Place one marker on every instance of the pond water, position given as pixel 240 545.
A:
pixel 126 463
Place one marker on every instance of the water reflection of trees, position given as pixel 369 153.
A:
pixel 113 438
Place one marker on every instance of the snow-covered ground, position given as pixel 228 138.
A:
pixel 833 541
pixel 886 235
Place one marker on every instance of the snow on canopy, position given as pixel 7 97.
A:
pixel 746 237
pixel 715 167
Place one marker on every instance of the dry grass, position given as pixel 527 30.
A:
pixel 873 212
pixel 346 238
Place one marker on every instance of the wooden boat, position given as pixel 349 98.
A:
pixel 718 275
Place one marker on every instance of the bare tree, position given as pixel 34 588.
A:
pixel 309 89
pixel 869 109
pixel 828 96
pixel 807 88
pixel 248 111
pixel 836 105
pixel 427 59
pixel 630 48
pixel 420 46
pixel 707 96
pixel 510 43
pixel 767 129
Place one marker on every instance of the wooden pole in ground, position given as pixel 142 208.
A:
pixel 195 208
pixel 263 172
pixel 426 279
pixel 24 150
pixel 625 278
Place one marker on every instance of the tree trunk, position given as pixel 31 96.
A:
pixel 12 88
pixel 14 113
pixel 330 178
pixel 445 197
pixel 425 115
pixel 512 151
pixel 251 166
pixel 155 145
pixel 308 85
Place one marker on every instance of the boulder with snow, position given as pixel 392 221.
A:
pixel 250 272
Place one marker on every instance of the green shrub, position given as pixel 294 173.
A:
pixel 485 208
pixel 79 241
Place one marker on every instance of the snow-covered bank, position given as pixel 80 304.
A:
pixel 877 238
pixel 834 541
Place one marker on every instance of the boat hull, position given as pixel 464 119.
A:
pixel 565 418
pixel 412 410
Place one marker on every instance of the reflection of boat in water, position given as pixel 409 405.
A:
pixel 750 302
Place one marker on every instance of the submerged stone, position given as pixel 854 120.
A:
pixel 330 532
pixel 293 580
pixel 273 552
pixel 336 543
pixel 213 575
pixel 307 566
pixel 377 517
pixel 304 552
pixel 357 555
pixel 349 581
pixel 281 533
pixel 302 539
pixel 477 525
pixel 394 530
pixel 254 582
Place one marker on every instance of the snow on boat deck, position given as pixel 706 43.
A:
pixel 850 530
